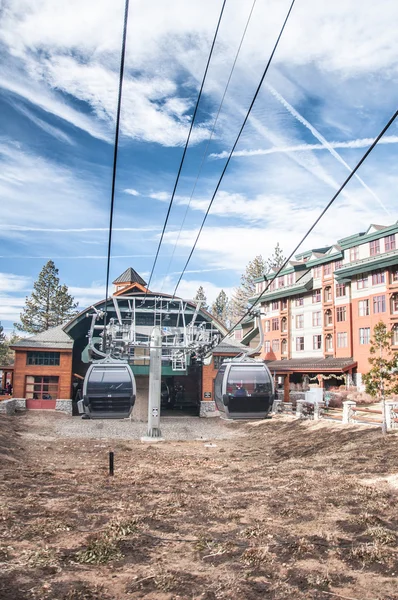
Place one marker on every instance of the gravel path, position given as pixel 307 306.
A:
pixel 44 424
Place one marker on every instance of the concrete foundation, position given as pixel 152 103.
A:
pixel 140 410
pixel 208 409
pixel 7 407
pixel 64 406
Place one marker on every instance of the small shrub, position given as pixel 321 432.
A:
pixel 99 551
pixel 368 553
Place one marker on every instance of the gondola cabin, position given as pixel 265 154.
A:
pixel 109 391
pixel 244 390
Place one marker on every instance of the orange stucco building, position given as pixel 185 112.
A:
pixel 319 313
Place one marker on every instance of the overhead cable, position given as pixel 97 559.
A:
pixel 236 142
pixel 186 146
pixel 209 140
pixel 329 204
pixel 115 152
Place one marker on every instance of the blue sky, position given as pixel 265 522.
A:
pixel 330 89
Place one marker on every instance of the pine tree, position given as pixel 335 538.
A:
pixel 49 305
pixel 240 299
pixel 201 296
pixel 276 260
pixel 220 308
pixel 382 378
pixel 3 347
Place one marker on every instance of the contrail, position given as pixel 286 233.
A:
pixel 323 141
pixel 352 144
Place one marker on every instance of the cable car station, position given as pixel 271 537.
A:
pixel 78 364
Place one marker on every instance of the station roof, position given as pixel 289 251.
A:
pixel 129 276
pixel 319 365
pixel 230 345
pixel 54 338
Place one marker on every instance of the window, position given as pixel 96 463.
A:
pixel 328 317
pixel 299 301
pixel 338 264
pixel 267 346
pixel 43 358
pixel 275 305
pixel 389 243
pixel 362 282
pixel 394 304
pixel 364 335
pixel 342 340
pixel 328 294
pixel 281 281
pixel 363 308
pixel 329 343
pixel 290 279
pixel 327 269
pixel 284 325
pixel 267 326
pixel 341 314
pixel 317 272
pixel 275 345
pixel 299 344
pixel 218 361
pixel 354 254
pixel 374 247
pixel 284 346
pixel 299 321
pixel 275 325
pixel 378 277
pixel 317 319
pixel 394 276
pixel 379 304
pixel 41 387
pixel 273 285
pixel 284 304
pixel 395 336
pixel 316 296
pixel 316 342
pixel 340 290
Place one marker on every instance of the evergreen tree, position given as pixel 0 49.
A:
pixel 382 378
pixel 6 354
pixel 220 308
pixel 3 347
pixel 201 296
pixel 49 305
pixel 276 260
pixel 240 299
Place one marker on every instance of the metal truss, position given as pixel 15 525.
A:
pixel 127 334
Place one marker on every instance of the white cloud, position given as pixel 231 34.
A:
pixel 132 192
pixel 188 288
pixel 271 220
pixel 10 282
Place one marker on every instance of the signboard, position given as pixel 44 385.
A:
pixel 155 412
pixel 207 394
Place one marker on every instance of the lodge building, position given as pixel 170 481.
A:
pixel 319 313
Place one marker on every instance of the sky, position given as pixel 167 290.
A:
pixel 329 91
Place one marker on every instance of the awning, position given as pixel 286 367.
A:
pixel 312 365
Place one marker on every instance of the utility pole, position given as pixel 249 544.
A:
pixel 155 377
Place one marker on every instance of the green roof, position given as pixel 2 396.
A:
pixel 364 237
pixel 367 264
pixel 304 284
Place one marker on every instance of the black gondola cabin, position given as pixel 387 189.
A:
pixel 109 391
pixel 244 390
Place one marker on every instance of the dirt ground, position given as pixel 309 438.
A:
pixel 289 510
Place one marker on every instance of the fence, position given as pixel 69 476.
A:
pixel 350 413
